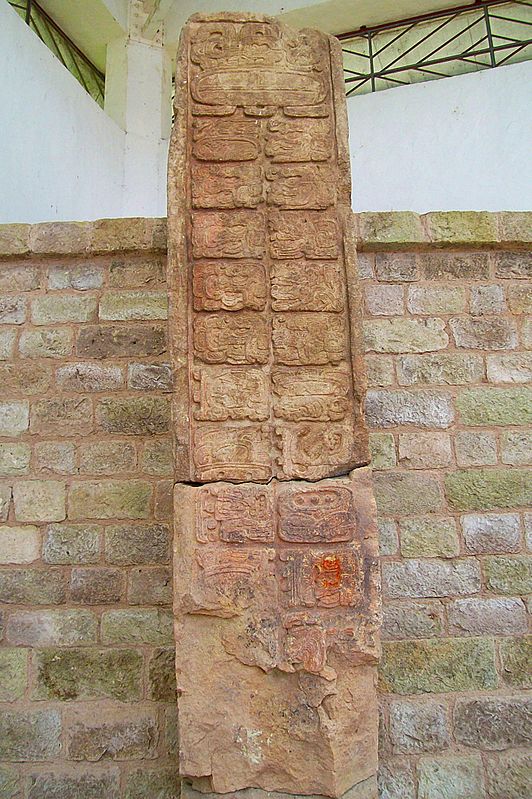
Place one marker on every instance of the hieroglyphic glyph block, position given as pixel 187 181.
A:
pixel 262 265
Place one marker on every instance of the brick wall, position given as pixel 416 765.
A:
pixel 86 660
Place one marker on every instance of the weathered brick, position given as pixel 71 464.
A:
pixel 5 500
pixel 493 723
pixel 14 458
pixel 432 300
pixel 128 272
pixel 81 275
pixel 516 367
pixel 89 377
pixel 163 783
pixel 14 239
pixel 114 734
pixel 150 586
pixel 398 230
pixel 10 782
pixel 515 227
pixel 461 227
pixel 13 674
pixel 487 299
pixel 425 450
pixel 447 368
pixel 379 370
pixel 32 587
pixel 19 544
pixel 388 537
pixel 107 457
pixel 137 544
pixel 495 406
pixel 52 238
pixel 81 785
pixel 488 489
pixel 460 266
pixel 516 447
pixel 475 448
pixel 52 627
pixel 396 779
pixel 138 626
pixel 88 673
pixel 134 416
pixel 150 376
pixel 71 543
pixel 125 233
pixel 382 448
pixel 421 408
pixel 438 665
pixel 17 276
pixel 14 418
pixel 457 777
pixel 162 676
pixel 62 416
pixel 123 306
pixel 429 537
pixel 430 578
pixel 29 735
pixel 46 343
pixel 12 310
pixel 164 500
pixel 7 343
pixel 526 333
pixel 508 575
pixel 418 727
pixel 158 458
pixel 384 300
pixel 513 265
pixel 520 298
pixel 56 457
pixel 491 533
pixel 407 493
pixel 366 265
pixel 171 731
pixel 57 308
pixel 484 333
pixel 405 335
pixel 115 341
pixel 509 776
pixel 110 499
pixel 97 586
pixel 39 501
pixel 25 377
pixel 487 616
pixel 412 620
pixel 516 656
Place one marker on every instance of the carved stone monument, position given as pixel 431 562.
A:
pixel 276 569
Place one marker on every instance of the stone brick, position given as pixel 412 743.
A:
pixel 487 299
pixel 137 544
pixel 14 458
pixel 366 265
pixel 25 377
pixel 493 723
pixel 29 735
pixel 138 626
pixel 53 238
pixel 150 376
pixel 483 333
pixel 150 586
pixel 405 493
pixel 384 300
pixel 516 367
pixel 398 230
pixel 163 783
pixel 57 308
pixel 396 779
pixel 13 674
pixel 127 341
pixel 412 620
pixel 520 298
pixel 527 521
pixel 447 368
pixel 475 448
pixel 81 785
pixel 490 533
pixel 162 676
pixel 110 499
pixel 425 450
pixel 46 343
pixel 379 370
pixel 158 458
pixel 495 406
pixel 129 273
pixel 438 665
pixel 487 616
pixel 52 627
pixel 516 447
pixel 515 228
pixel 97 586
pixel 81 275
pixel 516 656
pixel 451 778
pixel 32 587
pixel 164 500
pixel 7 344
pixel 10 783
pixel 459 266
pixel 5 500
pixel 89 377
pixel 126 233
pixel 461 227
pixel 401 407
pixel 71 543
pixel 107 457
pixel 39 501
pixel 436 299
pixel 123 306
pixel 509 776
pixel 388 537
pixel 488 489
pixel 112 734
pixel 429 537
pixel 382 449
pixel 56 457
pixel 513 265
pixel 405 335
pixel 171 731
pixel 19 544
pixel 134 416
pixel 526 333
pixel 20 276
pixel 418 727
pixel 12 310
pixel 508 575
pixel 64 416
pixel 14 418
pixel 14 239
pixel 88 673
pixel 430 578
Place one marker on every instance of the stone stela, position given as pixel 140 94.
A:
pixel 276 561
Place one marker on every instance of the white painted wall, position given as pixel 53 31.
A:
pixel 460 143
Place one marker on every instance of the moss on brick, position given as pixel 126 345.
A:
pixel 488 489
